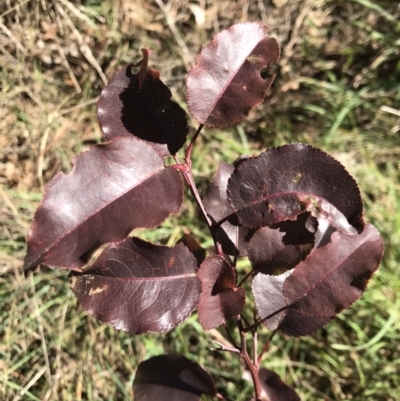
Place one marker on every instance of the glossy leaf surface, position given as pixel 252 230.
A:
pixel 112 189
pixel 219 299
pixel 328 281
pixel 276 250
pixel 140 105
pixel 283 182
pixel 269 298
pixel 171 378
pixel 275 388
pixel 225 83
pixel 139 287
pixel 216 203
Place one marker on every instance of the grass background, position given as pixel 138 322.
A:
pixel 337 88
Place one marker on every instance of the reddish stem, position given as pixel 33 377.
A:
pixel 186 170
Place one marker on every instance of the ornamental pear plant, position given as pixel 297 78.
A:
pixel 293 211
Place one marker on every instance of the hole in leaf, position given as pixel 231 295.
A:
pixel 269 71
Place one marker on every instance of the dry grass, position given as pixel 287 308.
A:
pixel 338 88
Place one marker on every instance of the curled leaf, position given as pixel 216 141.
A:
pixel 219 299
pixel 276 250
pixel 140 105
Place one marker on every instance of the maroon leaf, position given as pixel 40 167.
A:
pixel 274 251
pixel 171 378
pixel 328 281
pixel 274 388
pixel 296 324
pixel 233 238
pixel 269 299
pixel 140 105
pixel 139 287
pixel 283 182
pixel 191 242
pixel 226 83
pixel 112 189
pixel 219 298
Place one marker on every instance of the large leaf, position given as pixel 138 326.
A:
pixel 139 287
pixel 328 281
pixel 283 182
pixel 219 299
pixel 112 189
pixel 226 83
pixel 232 237
pixel 171 378
pixel 276 250
pixel 140 105
pixel 275 388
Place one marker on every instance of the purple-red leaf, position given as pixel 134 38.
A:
pixel 226 83
pixel 171 378
pixel 334 276
pixel 139 287
pixel 274 251
pixel 191 242
pixel 283 182
pixel 140 105
pixel 112 189
pixel 219 299
pixel 274 388
pixel 232 237
pixel 328 281
pixel 269 299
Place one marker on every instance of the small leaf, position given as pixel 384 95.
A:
pixel 286 181
pixel 140 105
pixel 226 83
pixel 112 189
pixel 274 251
pixel 139 287
pixel 216 203
pixel 194 246
pixel 275 388
pixel 171 378
pixel 219 299
pixel 268 295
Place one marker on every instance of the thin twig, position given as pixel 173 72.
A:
pixel 231 337
pixel 224 348
pixel 245 277
pixel 186 170
pixel 261 320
